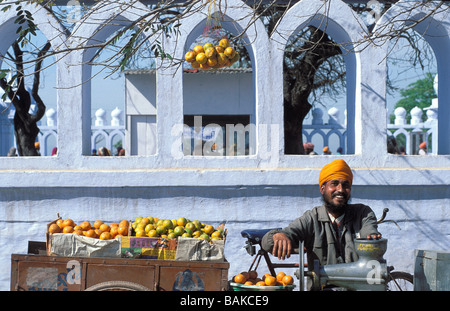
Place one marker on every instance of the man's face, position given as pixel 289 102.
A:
pixel 335 194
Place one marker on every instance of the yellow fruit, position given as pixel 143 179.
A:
pixel 138 219
pixel 229 52
pixel 195 65
pixel 208 229
pixel 179 230
pixel 182 221
pixel 216 234
pixel 140 233
pixel 144 221
pixel 152 233
pixel 219 49
pixel 172 235
pixel 207 46
pixel 149 227
pixel 201 58
pixel 190 56
pixel 198 49
pixel 152 220
pixel 221 59
pixel 210 52
pixel 161 230
pixel 205 237
pixel 168 223
pixel 224 43
pixel 212 62
pixel 205 66
pixel 235 58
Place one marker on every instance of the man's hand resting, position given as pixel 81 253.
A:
pixel 282 246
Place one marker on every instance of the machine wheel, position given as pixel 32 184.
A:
pixel 117 286
pixel 400 281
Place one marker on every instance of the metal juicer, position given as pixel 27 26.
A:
pixel 369 272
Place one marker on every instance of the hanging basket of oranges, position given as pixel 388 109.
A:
pixel 214 49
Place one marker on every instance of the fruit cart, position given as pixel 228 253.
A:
pixel 33 272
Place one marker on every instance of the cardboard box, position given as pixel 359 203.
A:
pixel 180 249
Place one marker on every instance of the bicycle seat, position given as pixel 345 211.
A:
pixel 255 235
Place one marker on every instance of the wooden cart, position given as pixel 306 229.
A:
pixel 33 272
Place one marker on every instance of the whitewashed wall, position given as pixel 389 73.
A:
pixel 264 190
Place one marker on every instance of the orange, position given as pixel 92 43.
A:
pixel 97 232
pixel 182 221
pixel 67 229
pixel 77 228
pixel 90 233
pixel 78 232
pixel 68 222
pixel 229 52
pixel 97 224
pixel 210 52
pixel 219 49
pixel 265 275
pixel 201 58
pixel 198 49
pixel 152 233
pixel 208 229
pixel 54 228
pixel 190 56
pixel 114 224
pixel 211 62
pixel 59 222
pixel 124 223
pixel 105 227
pixel 207 45
pixel 145 221
pixel 246 275
pixel 114 231
pixel 287 280
pixel 260 283
pixel 195 65
pixel 122 230
pixel 280 276
pixel 239 278
pixel 105 236
pixel 270 280
pixel 224 43
pixel 85 225
pixel 248 283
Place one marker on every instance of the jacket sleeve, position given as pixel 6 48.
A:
pixel 368 221
pixel 295 231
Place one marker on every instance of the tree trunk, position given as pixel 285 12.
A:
pixel 299 83
pixel 25 124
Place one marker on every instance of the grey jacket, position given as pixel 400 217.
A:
pixel 319 236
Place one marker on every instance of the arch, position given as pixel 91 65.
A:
pixel 435 30
pixel 339 21
pixel 235 20
pixel 99 23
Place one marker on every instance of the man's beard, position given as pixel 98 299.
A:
pixel 333 208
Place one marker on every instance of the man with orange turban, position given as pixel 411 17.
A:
pixel 328 230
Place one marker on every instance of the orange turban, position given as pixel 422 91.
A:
pixel 335 170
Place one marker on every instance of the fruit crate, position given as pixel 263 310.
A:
pixel 30 272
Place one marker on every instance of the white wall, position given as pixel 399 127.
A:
pixel 263 190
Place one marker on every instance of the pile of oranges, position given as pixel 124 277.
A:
pixel 251 278
pixel 212 56
pixel 99 229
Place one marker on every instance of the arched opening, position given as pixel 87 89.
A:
pixel 42 109
pixel 412 94
pixel 218 99
pixel 317 70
